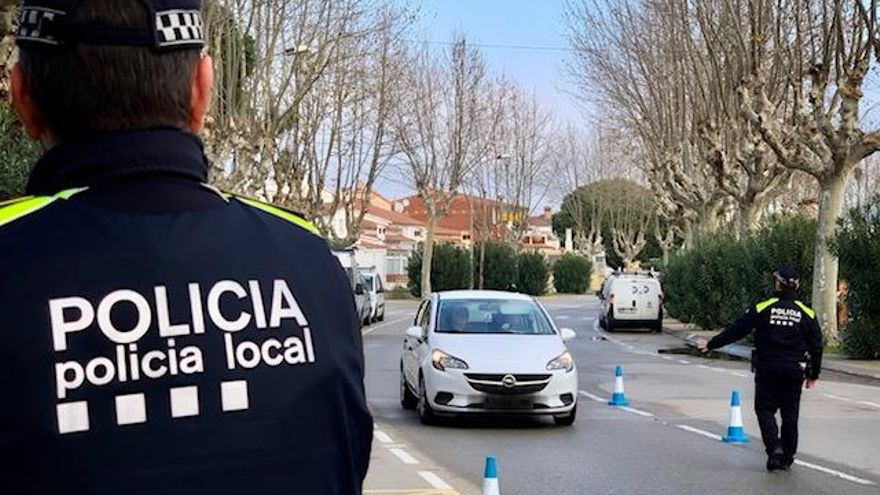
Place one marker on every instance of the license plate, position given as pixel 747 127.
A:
pixel 503 402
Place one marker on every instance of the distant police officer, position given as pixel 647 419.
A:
pixel 159 336
pixel 788 349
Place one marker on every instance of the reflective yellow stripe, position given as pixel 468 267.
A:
pixel 14 210
pixel 766 304
pixel 278 212
pixel 15 200
pixel 806 309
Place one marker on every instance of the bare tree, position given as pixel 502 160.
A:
pixel 830 45
pixel 440 131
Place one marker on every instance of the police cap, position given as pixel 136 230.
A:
pixel 171 24
pixel 787 276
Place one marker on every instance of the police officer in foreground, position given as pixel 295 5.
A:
pixel 159 336
pixel 788 350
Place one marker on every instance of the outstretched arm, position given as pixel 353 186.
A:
pixel 735 331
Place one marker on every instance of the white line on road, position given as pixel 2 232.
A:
pixel 562 317
pixel 698 431
pixel 383 325
pixel 741 374
pixel 382 436
pixel 844 399
pixel 592 396
pixel 703 366
pixel 684 361
pixel 588 318
pixel 866 403
pixel 834 472
pixel 404 456
pixel 667 358
pixel 434 480
pixel 636 411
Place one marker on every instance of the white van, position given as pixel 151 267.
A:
pixel 631 300
pixel 376 288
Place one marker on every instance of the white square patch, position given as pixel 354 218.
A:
pixel 131 409
pixel 184 402
pixel 73 417
pixel 234 395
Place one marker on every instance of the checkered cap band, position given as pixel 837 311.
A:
pixel 180 27
pixel 35 24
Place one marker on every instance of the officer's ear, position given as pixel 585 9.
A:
pixel 25 107
pixel 200 98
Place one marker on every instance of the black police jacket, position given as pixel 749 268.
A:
pixel 787 335
pixel 161 337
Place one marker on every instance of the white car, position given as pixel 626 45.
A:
pixel 376 288
pixel 631 300
pixel 485 352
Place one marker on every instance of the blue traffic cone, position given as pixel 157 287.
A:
pixel 490 479
pixel 735 433
pixel 618 398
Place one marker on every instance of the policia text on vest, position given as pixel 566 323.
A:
pixel 279 333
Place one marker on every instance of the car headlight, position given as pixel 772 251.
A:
pixel 562 362
pixel 440 360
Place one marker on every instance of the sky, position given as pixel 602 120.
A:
pixel 523 40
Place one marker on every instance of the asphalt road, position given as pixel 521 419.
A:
pixel 663 444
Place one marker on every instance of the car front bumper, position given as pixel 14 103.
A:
pixel 458 392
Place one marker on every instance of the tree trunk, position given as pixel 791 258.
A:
pixel 825 265
pixel 482 263
pixel 428 255
pixel 749 215
pixel 665 255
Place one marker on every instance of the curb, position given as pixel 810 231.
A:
pixel 744 353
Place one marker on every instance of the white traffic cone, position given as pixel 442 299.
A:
pixel 735 432
pixel 618 398
pixel 490 478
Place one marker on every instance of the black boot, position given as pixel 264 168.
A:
pixel 774 462
pixel 787 461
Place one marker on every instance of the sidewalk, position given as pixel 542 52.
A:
pixel 689 333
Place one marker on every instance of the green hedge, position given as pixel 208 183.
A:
pixel 449 269
pixel 858 246
pixel 571 274
pixel 17 154
pixel 718 278
pixel 501 268
pixel 533 273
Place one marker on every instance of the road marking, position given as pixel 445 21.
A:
pixel 703 366
pixel 684 361
pixel 844 399
pixel 667 358
pixel 867 403
pixel 404 456
pixel 636 411
pixel 588 318
pixel 834 472
pixel 563 317
pixel 383 325
pixel 382 436
pixel 719 370
pixel 434 480
pixel 741 374
pixel 592 396
pixel 698 431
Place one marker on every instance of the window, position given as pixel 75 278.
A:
pixel 498 316
pixel 465 237
pixel 395 264
pixel 417 233
pixel 425 317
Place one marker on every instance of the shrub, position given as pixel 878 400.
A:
pixel 571 274
pixel 533 273
pixel 500 266
pixel 857 245
pixel 17 154
pixel 449 269
pixel 713 282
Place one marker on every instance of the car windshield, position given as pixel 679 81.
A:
pixel 482 316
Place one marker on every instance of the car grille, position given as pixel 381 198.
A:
pixel 493 383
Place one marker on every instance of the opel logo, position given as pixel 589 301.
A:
pixel 509 381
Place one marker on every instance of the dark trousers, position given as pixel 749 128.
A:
pixel 779 390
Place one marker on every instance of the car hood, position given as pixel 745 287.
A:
pixel 501 353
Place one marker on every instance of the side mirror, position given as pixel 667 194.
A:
pixel 360 289
pixel 415 333
pixel 567 334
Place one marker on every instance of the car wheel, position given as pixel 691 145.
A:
pixel 408 400
pixel 382 316
pixel 566 419
pixel 658 325
pixel 609 320
pixel 426 412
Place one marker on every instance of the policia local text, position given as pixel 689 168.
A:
pixel 71 315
